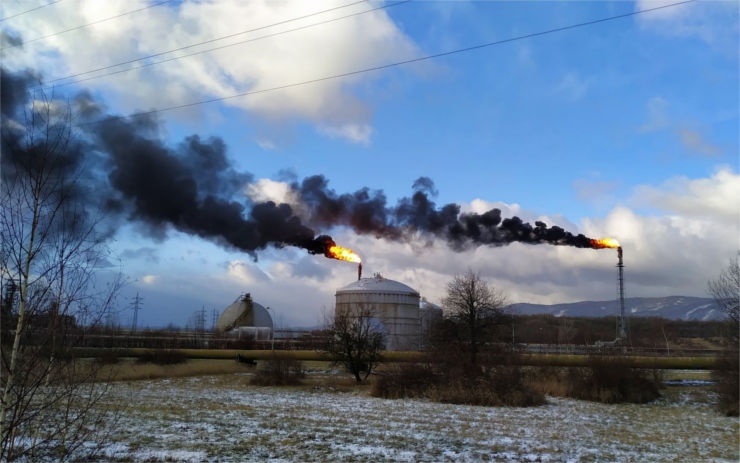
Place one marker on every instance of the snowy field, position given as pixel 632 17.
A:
pixel 222 418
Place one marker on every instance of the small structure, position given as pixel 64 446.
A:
pixel 246 319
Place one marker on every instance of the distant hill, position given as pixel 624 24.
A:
pixel 670 307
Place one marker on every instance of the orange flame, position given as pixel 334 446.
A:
pixel 607 243
pixel 338 252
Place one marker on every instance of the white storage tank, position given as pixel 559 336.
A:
pixel 393 304
pixel 245 319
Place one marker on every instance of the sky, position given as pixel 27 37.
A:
pixel 626 129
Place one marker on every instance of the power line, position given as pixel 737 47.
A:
pixel 88 24
pixel 390 65
pixel 210 41
pixel 201 52
pixel 28 11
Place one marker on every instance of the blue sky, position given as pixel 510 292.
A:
pixel 627 128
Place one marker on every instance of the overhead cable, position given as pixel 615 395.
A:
pixel 28 11
pixel 88 24
pixel 221 47
pixel 390 65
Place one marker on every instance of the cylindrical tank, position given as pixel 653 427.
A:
pixel 393 304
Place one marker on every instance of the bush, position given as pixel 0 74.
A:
pixel 727 377
pixel 162 357
pixel 406 380
pixel 485 391
pixel 501 385
pixel 612 380
pixel 108 357
pixel 278 372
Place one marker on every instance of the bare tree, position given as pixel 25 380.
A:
pixel 566 331
pixel 355 341
pixel 50 253
pixel 726 292
pixel 476 307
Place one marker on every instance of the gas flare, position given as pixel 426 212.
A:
pixel 606 243
pixel 340 253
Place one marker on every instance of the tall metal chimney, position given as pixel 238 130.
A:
pixel 622 321
pixel 359 271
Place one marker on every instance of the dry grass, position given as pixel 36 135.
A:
pixel 279 372
pixel 129 369
pixel 605 379
pixel 222 418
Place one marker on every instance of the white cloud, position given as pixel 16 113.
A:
pixel 149 279
pixel 714 22
pixel 265 144
pixel 358 133
pixel 340 46
pixel 716 198
pixel 245 273
pixel 265 189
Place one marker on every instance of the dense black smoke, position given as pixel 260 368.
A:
pixel 193 188
pixel 369 213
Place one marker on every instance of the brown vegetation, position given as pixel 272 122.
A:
pixel 726 290
pixel 495 386
pixel 162 357
pixel 278 372
pixel 606 379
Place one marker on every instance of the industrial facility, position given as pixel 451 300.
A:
pixel 401 315
pixel 246 319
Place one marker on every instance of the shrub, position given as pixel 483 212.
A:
pixel 406 380
pixel 727 378
pixel 162 357
pixel 278 372
pixel 485 391
pixel 502 385
pixel 612 380
pixel 108 357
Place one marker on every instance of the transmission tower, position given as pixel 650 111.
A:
pixel 200 320
pixel 136 306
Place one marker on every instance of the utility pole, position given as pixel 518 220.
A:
pixel 136 306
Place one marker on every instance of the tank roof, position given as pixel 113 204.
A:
pixel 237 314
pixel 377 284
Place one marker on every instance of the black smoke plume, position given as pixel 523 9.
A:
pixel 367 212
pixel 193 188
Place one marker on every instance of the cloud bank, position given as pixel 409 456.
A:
pixel 340 46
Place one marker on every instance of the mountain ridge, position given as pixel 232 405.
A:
pixel 670 307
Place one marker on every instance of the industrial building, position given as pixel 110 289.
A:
pixel 246 319
pixel 400 314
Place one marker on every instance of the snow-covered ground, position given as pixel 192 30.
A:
pixel 222 418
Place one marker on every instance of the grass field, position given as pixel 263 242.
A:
pixel 223 418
